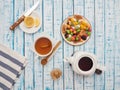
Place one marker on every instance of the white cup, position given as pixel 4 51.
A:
pixel 75 59
pixel 95 65
pixel 43 55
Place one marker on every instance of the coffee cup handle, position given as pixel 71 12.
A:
pixel 100 69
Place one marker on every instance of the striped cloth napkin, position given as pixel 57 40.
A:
pixel 11 65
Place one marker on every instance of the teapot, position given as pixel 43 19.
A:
pixel 84 63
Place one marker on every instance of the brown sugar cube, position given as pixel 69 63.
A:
pixel 55 74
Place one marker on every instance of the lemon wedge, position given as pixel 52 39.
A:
pixel 37 22
pixel 29 21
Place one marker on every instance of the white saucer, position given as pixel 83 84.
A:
pixel 33 29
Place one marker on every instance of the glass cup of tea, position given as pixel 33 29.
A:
pixel 43 46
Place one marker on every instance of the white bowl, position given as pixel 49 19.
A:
pixel 41 55
pixel 72 43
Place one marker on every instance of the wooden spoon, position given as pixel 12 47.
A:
pixel 45 60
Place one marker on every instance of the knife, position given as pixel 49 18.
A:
pixel 27 13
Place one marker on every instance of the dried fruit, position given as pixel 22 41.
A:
pixel 78 17
pixel 83 37
pixel 29 21
pixel 37 22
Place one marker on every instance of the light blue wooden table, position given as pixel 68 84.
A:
pixel 104 15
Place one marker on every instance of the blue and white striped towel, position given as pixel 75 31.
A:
pixel 11 65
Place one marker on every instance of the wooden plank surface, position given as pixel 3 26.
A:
pixel 117 46
pixel 78 79
pixel 58 58
pixel 29 70
pixel 6 9
pixel 48 27
pixel 68 73
pixel 104 16
pixel 99 41
pixel 38 69
pixel 89 82
pixel 18 41
pixel 109 44
pixel 6 36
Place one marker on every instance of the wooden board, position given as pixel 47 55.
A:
pixel 104 16
pixel 29 70
pixel 19 45
pixel 117 46
pixel 48 27
pixel 38 69
pixel 78 79
pixel 58 58
pixel 68 50
pixel 90 45
pixel 99 41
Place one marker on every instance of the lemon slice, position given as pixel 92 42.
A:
pixel 37 22
pixel 29 21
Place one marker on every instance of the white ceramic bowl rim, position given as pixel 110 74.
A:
pixel 72 43
pixel 92 70
pixel 41 55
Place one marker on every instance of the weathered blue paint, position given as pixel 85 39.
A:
pixel 104 16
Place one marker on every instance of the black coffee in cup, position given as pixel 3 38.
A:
pixel 85 63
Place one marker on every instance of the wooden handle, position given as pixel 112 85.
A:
pixel 54 49
pixel 17 22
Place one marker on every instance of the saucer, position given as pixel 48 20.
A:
pixel 32 29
